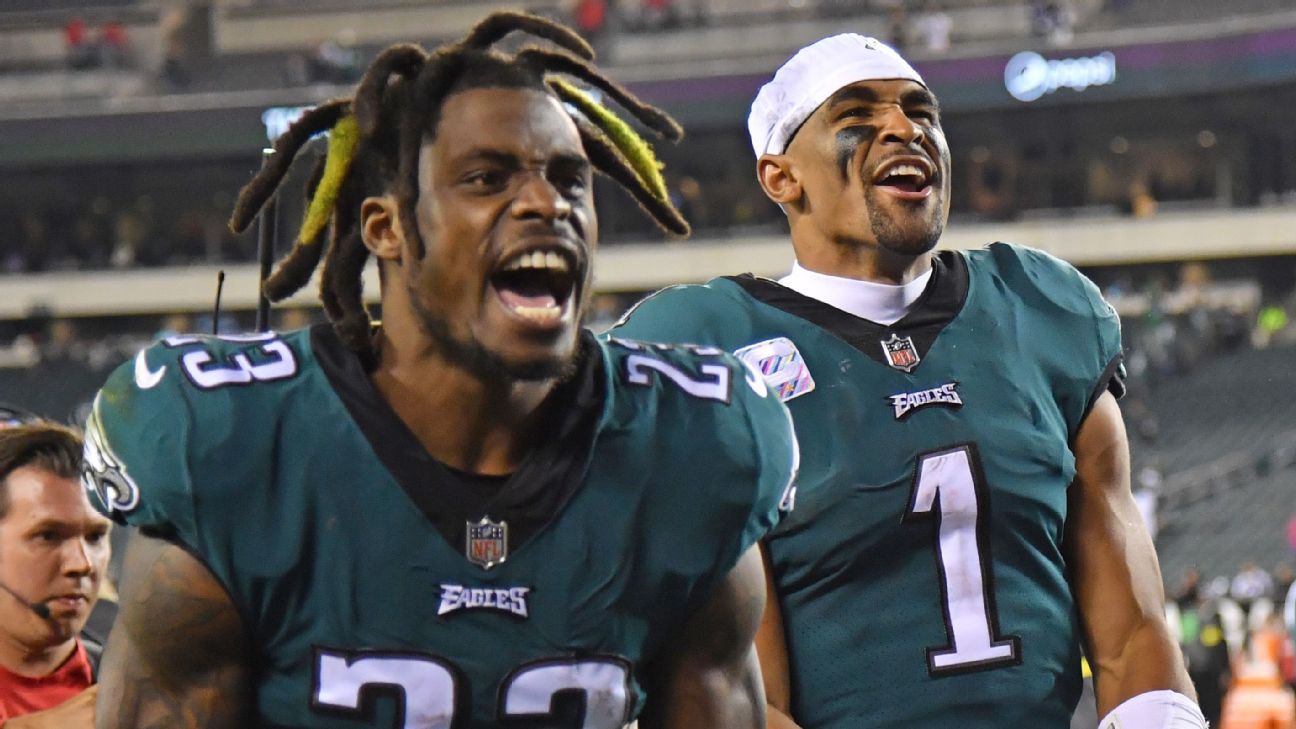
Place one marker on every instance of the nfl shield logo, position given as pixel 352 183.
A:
pixel 486 542
pixel 900 352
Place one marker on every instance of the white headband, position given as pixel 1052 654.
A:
pixel 815 73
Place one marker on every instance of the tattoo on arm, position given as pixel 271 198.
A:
pixel 178 657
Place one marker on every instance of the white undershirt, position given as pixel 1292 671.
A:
pixel 877 302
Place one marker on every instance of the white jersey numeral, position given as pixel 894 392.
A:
pixel 639 370
pixel 604 686
pixel 347 684
pixel 276 361
pixel 344 684
pixel 948 487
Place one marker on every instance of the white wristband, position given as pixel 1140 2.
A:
pixel 1155 710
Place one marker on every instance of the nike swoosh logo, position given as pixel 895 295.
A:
pixel 146 379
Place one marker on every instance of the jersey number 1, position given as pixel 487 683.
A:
pixel 949 487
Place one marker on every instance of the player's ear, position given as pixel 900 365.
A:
pixel 380 227
pixel 778 179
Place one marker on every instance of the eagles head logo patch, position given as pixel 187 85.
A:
pixel 901 353
pixel 103 475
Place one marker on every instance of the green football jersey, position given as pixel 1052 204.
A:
pixel 372 596
pixel 921 576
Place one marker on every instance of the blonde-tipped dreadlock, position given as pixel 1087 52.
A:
pixel 343 139
pixel 375 137
pixel 636 150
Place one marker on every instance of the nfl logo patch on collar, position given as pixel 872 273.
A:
pixel 782 366
pixel 486 542
pixel 901 352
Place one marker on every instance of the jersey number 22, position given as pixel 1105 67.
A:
pixel 428 688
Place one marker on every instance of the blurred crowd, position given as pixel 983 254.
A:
pixel 176 54
pixel 923 26
pixel 1174 317
pixel 144 214
pixel 911 25
pixel 133 217
pixel 1238 634
pixel 104 235
pixel 103 46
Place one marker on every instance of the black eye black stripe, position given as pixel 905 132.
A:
pixel 848 140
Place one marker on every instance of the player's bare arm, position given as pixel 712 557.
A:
pixel 710 676
pixel 178 656
pixel 771 649
pixel 1114 571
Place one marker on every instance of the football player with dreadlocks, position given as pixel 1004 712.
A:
pixel 473 514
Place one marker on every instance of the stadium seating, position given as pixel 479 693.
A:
pixel 1218 533
pixel 60 390
pixel 15 6
pixel 261 35
pixel 1125 13
pixel 1228 449
pixel 1229 405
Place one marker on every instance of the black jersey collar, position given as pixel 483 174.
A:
pixel 530 498
pixel 940 302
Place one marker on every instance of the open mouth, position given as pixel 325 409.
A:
pixel 909 178
pixel 537 285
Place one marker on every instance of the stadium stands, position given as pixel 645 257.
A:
pixel 265 35
pixel 1243 521
pixel 1118 14
pixel 1230 405
pixel 1227 447
pixel 65 6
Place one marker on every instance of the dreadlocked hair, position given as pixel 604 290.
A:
pixel 375 137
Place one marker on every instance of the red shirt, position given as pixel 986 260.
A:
pixel 74 33
pixel 590 15
pixel 21 695
pixel 114 35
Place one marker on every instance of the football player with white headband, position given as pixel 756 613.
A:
pixel 964 527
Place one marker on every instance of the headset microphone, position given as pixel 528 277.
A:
pixel 39 608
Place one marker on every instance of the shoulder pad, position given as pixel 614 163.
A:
pixel 141 438
pixel 698 371
pixel 1051 277
pixel 705 313
pixel 753 428
pixel 1087 350
pixel 210 362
